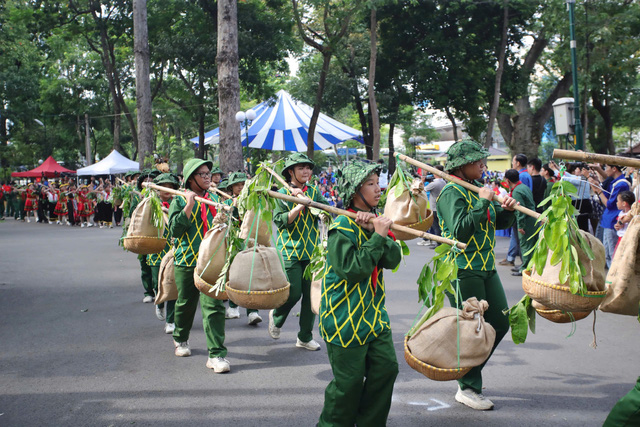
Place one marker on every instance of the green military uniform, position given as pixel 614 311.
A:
pixel 188 233
pixel 524 196
pixel 353 318
pixel 472 220
pixel 296 242
pixel 626 413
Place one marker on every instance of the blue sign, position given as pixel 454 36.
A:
pixel 343 151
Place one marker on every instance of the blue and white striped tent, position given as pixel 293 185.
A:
pixel 284 125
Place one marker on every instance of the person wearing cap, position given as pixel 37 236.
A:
pixel 525 224
pixel 353 318
pixel 189 221
pixel 296 241
pixel 234 185
pixel 154 260
pixel 473 218
pixel 216 176
pixel 146 274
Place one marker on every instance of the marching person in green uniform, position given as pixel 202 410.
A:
pixel 234 185
pixel 626 412
pixel 147 175
pixel 154 260
pixel 216 175
pixel 473 218
pixel 297 238
pixel 353 318
pixel 189 221
pixel 526 225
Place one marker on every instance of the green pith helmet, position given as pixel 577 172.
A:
pixel 235 178
pixel 192 166
pixel 224 184
pixel 147 173
pixel 130 174
pixel 464 152
pixel 351 176
pixel 216 170
pixel 167 178
pixel 295 159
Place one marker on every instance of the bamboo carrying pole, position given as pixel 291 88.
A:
pixel 222 193
pixel 183 194
pixel 134 191
pixel 463 183
pixel 310 203
pixel 596 158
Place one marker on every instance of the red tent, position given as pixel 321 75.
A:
pixel 49 169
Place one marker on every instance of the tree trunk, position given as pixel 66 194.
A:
pixel 326 61
pixel 179 159
pixel 143 85
pixel 604 109
pixel 453 123
pixel 228 87
pixel 117 125
pixel 496 91
pixel 392 157
pixel 201 147
pixel 373 105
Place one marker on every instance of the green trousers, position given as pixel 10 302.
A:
pixel 18 208
pixel 155 271
pixel 300 287
pixel 626 413
pixel 146 276
pixel 484 285
pixel 362 386
pixel 185 311
pixel 526 245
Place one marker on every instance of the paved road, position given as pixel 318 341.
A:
pixel 79 348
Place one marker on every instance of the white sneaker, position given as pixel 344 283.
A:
pixel 58 222
pixel 101 226
pixel 232 313
pixel 82 225
pixel 218 364
pixel 423 243
pixel 28 220
pixel 50 222
pixel 182 349
pixel 147 299
pixel 311 345
pixel 90 224
pixel 159 312
pixel 473 400
pixel 169 328
pixel 274 331
pixel 68 223
pixel 254 318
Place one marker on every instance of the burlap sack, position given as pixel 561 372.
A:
pixel 213 250
pixel 167 289
pixel 623 279
pixel 248 229
pixel 436 342
pixel 411 207
pixel 267 270
pixel 595 269
pixel 141 224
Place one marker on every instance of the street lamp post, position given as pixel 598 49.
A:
pixel 574 72
pixel 246 118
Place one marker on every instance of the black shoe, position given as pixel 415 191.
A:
pixel 515 269
pixel 518 273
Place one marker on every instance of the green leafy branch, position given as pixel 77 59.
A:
pixel 398 183
pixel 522 316
pixel 435 281
pixel 157 216
pixel 559 233
pixel 317 261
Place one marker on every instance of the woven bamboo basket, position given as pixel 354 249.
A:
pixel 559 316
pixel 259 300
pixel 205 287
pixel 431 372
pixel 423 225
pixel 556 297
pixel 143 245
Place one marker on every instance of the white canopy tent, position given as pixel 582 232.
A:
pixel 113 164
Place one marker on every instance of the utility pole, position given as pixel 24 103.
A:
pixel 579 136
pixel 87 140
